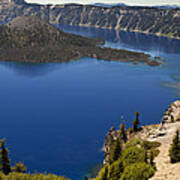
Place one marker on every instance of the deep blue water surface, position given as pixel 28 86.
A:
pixel 55 116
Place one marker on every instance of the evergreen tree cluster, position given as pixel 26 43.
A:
pixel 130 158
pixel 135 128
pixel 5 166
pixel 18 171
pixel 116 145
pixel 174 151
pixel 115 151
pixel 127 163
pixel 21 176
pixel 5 161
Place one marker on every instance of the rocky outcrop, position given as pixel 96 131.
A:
pixel 164 22
pixel 172 114
pixel 111 136
pixel 170 119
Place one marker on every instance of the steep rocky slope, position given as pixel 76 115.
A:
pixel 164 22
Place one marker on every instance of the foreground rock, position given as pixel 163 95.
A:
pixel 29 39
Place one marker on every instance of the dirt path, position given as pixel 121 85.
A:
pixel 166 170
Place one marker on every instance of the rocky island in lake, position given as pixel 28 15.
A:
pixel 30 39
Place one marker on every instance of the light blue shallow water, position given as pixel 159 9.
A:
pixel 55 116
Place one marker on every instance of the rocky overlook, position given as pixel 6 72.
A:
pixel 165 22
pixel 30 39
pixel 162 133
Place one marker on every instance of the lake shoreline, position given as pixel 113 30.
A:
pixel 125 30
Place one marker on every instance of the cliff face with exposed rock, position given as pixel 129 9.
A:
pixel 172 113
pixel 164 22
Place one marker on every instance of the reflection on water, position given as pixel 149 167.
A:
pixel 32 70
pixel 29 69
pixel 130 40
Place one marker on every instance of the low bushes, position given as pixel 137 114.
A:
pixel 138 171
pixel 135 161
pixel 133 155
pixel 112 171
pixel 174 151
pixel 21 176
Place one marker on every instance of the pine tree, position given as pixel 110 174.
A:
pixel 152 159
pixel 19 167
pixel 122 130
pixel 115 151
pixel 146 157
pixel 5 161
pixel 121 167
pixel 111 172
pixel 136 122
pixel 105 175
pixel 174 151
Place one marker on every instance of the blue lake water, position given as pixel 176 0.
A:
pixel 54 116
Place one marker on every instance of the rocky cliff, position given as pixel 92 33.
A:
pixel 164 22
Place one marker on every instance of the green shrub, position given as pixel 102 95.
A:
pixel 103 173
pixel 20 176
pixel 155 152
pixel 138 171
pixel 150 145
pixel 133 155
pixel 147 145
pixel 112 171
pixel 115 170
pixel 134 142
pixel 19 167
pixel 136 153
pixel 115 151
pixel 174 151
pixel 130 130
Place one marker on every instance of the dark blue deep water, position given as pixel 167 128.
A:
pixel 55 116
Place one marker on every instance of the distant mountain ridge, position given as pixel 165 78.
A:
pixel 125 5
pixel 109 5
pixel 163 21
pixel 168 7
